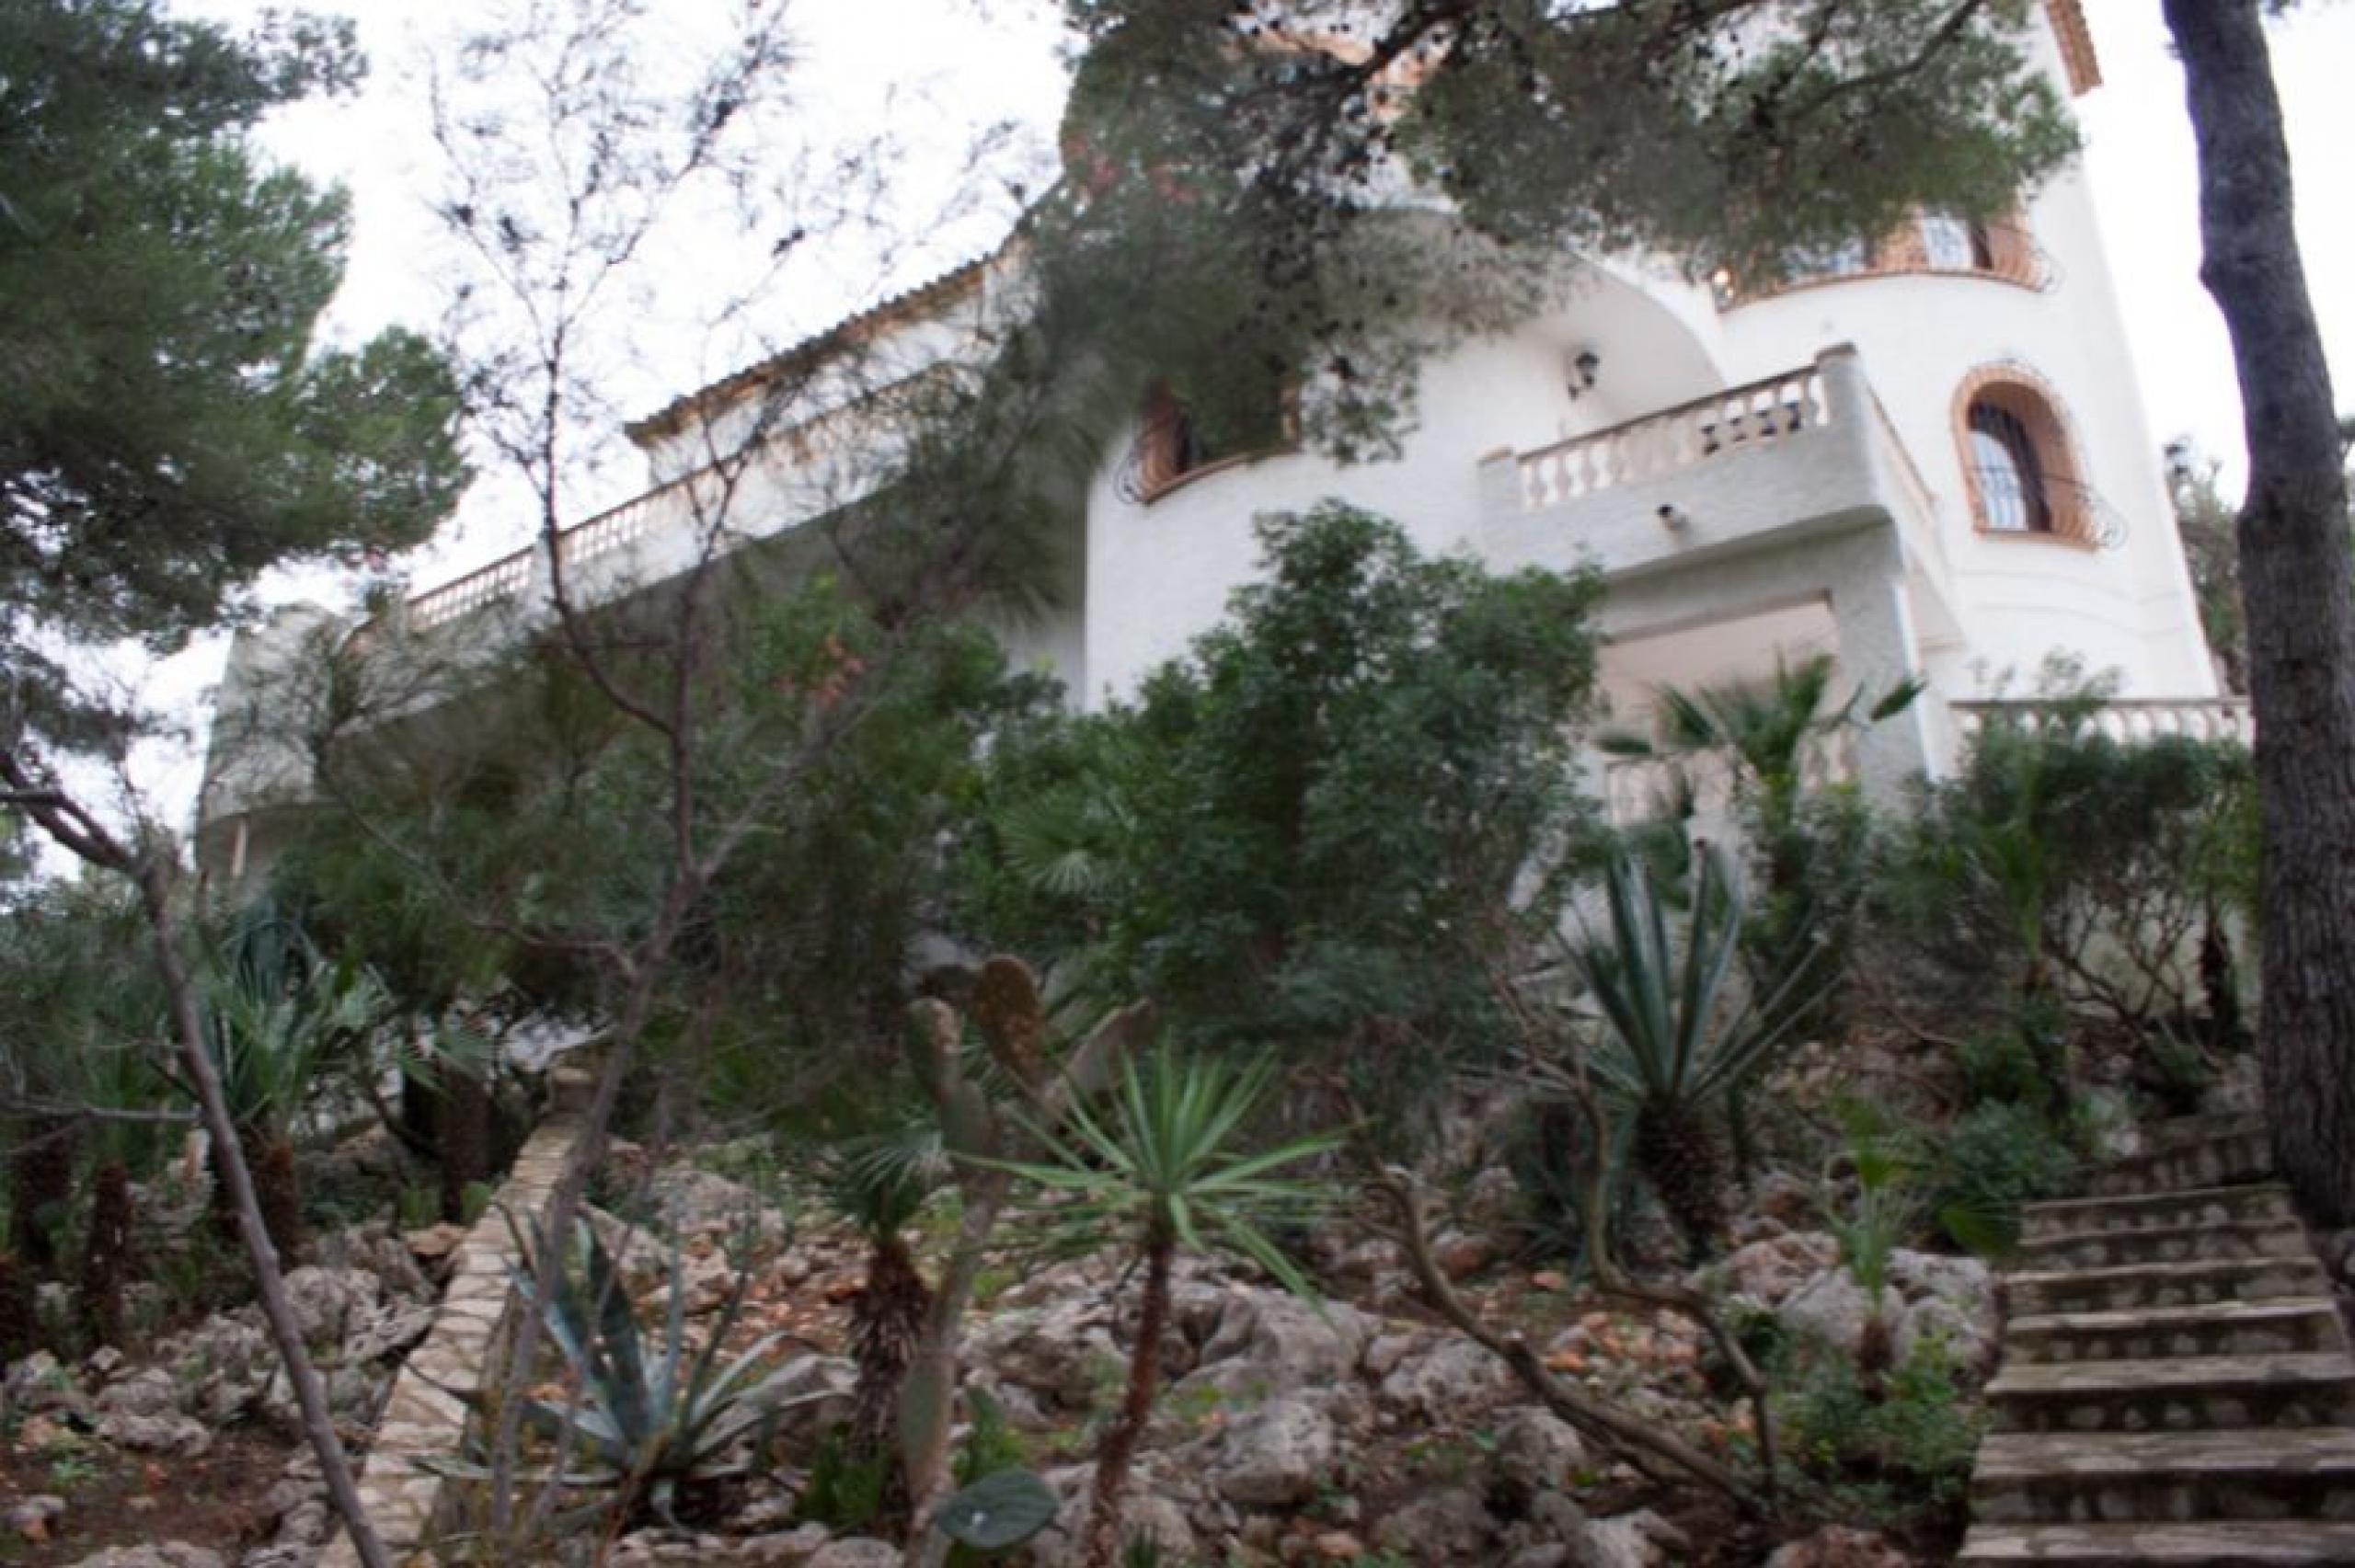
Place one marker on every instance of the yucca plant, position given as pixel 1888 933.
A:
pixel 1676 1041
pixel 882 1196
pixel 650 1419
pixel 275 1014
pixel 1165 1166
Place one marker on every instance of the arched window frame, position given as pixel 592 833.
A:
pixel 2028 401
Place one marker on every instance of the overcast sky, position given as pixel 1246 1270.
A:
pixel 930 72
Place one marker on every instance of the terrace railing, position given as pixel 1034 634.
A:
pixel 1739 418
pixel 2128 719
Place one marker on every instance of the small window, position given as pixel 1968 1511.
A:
pixel 1956 245
pixel 1173 443
pixel 2013 496
pixel 2019 462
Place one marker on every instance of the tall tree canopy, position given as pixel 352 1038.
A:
pixel 169 428
pixel 1275 143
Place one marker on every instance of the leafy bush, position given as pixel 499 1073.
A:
pixel 844 1492
pixel 2089 871
pixel 1881 1452
pixel 1300 832
pixel 1994 1158
pixel 991 1442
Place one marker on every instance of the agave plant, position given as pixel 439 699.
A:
pixel 1166 1168
pixel 1676 1041
pixel 650 1419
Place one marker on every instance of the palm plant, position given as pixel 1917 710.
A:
pixel 1886 1207
pixel 882 1196
pixel 1677 1042
pixel 649 1420
pixel 275 1014
pixel 1165 1167
pixel 1766 729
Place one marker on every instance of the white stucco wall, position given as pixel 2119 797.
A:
pixel 1159 572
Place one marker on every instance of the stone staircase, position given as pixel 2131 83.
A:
pixel 2177 1384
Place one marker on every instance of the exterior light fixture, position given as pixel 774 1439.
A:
pixel 1674 518
pixel 1583 369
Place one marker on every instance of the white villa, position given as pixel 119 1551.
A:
pixel 1930 460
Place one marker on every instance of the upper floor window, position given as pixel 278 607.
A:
pixel 1928 242
pixel 2013 494
pixel 1174 444
pixel 2019 465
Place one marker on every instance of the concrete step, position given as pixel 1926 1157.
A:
pixel 2237 1543
pixel 2182 1394
pixel 2260 1238
pixel 2118 1477
pixel 2161 1210
pixel 2139 1286
pixel 2294 1326
pixel 2179 1132
pixel 2241 1157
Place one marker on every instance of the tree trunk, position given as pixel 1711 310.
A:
pixel 154 879
pixel 1136 1411
pixel 105 1256
pixel 2296 583
pixel 464 1122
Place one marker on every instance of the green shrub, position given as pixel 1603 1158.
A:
pixel 1880 1458
pixel 2088 871
pixel 1994 1158
pixel 843 1493
pixel 991 1442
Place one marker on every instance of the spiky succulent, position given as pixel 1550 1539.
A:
pixel 649 1417
pixel 1675 1042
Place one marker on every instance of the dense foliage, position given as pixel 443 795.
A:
pixel 1306 828
pixel 169 428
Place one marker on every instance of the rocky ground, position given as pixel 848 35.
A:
pixel 188 1453
pixel 1351 1429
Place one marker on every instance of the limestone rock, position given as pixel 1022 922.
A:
pixel 1450 1526
pixel 856 1552
pixel 169 1434
pixel 1832 1309
pixel 1771 1271
pixel 1275 1456
pixel 158 1555
pixel 1632 1540
pixel 1838 1547
pixel 1452 1380
pixel 1536 1452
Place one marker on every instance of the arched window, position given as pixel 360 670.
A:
pixel 1173 445
pixel 2013 496
pixel 2017 461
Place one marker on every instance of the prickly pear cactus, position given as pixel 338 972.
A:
pixel 1012 1018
